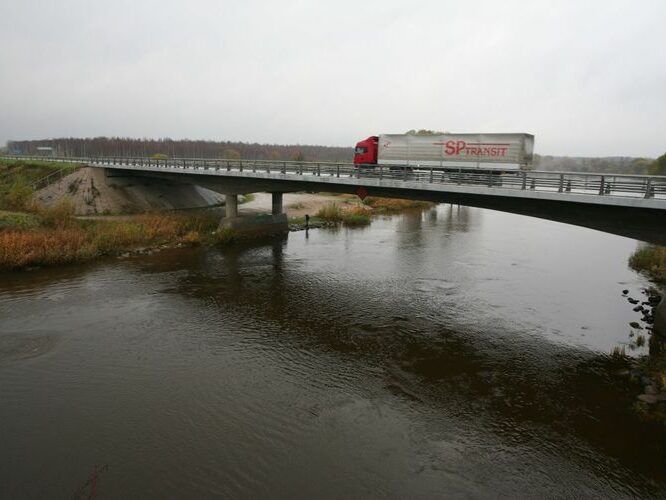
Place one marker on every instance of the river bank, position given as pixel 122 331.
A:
pixel 38 225
pixel 39 236
pixel 53 237
pixel 650 371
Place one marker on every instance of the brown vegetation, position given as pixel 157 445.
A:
pixel 393 205
pixel 61 239
pixel 349 216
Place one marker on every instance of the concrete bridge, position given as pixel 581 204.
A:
pixel 627 205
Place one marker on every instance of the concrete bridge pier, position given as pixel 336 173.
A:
pixel 277 203
pixel 255 224
pixel 230 206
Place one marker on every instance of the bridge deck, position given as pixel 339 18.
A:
pixel 598 189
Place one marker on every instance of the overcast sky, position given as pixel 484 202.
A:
pixel 586 77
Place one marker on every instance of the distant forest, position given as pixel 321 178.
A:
pixel 185 148
pixel 616 165
pixel 181 148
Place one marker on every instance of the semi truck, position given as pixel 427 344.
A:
pixel 488 152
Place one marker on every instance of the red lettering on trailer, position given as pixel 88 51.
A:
pixel 472 148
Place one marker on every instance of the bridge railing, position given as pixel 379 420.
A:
pixel 624 185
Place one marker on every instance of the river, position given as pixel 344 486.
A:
pixel 455 352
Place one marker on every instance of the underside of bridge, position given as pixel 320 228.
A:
pixel 633 222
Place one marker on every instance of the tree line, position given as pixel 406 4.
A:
pixel 614 165
pixel 178 148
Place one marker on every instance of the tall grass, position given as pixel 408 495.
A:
pixel 61 239
pixel 331 212
pixel 652 260
pixel 354 216
pixel 17 195
pixel 48 246
pixel 56 216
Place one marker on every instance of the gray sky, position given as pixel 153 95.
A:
pixel 586 77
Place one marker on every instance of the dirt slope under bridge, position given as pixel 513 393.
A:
pixel 91 195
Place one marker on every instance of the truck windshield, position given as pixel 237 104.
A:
pixel 361 150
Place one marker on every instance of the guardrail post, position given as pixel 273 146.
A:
pixel 649 189
pixel 430 175
pixel 240 166
pixel 318 170
pixel 533 184
pixel 490 179
pixel 524 183
pixel 337 173
pixel 561 186
pixel 568 188
pixel 381 172
pixel 284 167
pixel 602 187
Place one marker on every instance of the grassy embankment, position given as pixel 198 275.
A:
pixel 17 178
pixel 32 235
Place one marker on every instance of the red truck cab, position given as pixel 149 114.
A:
pixel 366 151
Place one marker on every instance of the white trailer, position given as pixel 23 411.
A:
pixel 452 151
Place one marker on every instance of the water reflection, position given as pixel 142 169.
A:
pixel 530 389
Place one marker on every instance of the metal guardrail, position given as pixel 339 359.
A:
pixel 616 185
pixel 53 176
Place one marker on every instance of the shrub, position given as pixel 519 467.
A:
pixel 356 220
pixel 192 238
pixel 18 196
pixel 225 235
pixel 331 212
pixel 58 215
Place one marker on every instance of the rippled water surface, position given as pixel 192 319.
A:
pixel 451 353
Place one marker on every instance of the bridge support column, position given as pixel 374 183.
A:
pixel 277 203
pixel 255 224
pixel 230 206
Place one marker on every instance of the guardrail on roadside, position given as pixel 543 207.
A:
pixel 623 185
